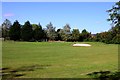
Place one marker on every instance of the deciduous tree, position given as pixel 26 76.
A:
pixel 38 32
pixel 75 34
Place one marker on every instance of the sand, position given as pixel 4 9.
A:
pixel 86 45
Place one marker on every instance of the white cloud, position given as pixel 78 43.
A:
pixel 8 15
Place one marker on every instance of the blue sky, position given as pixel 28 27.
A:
pixel 82 15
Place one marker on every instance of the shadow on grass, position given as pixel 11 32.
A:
pixel 105 75
pixel 14 73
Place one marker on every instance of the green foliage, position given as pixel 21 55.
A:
pixel 62 34
pixel 5 28
pixel 34 26
pixel 5 32
pixel 6 24
pixel 15 30
pixel 51 33
pixel 65 33
pixel 59 35
pixel 114 14
pixel 105 37
pixel 85 35
pixel 116 39
pixel 38 33
pixel 113 35
pixel 75 35
pixel 67 28
pixel 27 32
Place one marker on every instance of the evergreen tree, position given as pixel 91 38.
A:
pixel 66 29
pixel 51 33
pixel 15 31
pixel 85 35
pixel 65 33
pixel 5 28
pixel 58 33
pixel 27 32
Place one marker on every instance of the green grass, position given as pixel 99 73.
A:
pixel 63 60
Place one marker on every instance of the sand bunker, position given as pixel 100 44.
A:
pixel 86 45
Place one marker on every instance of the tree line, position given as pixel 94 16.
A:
pixel 35 32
